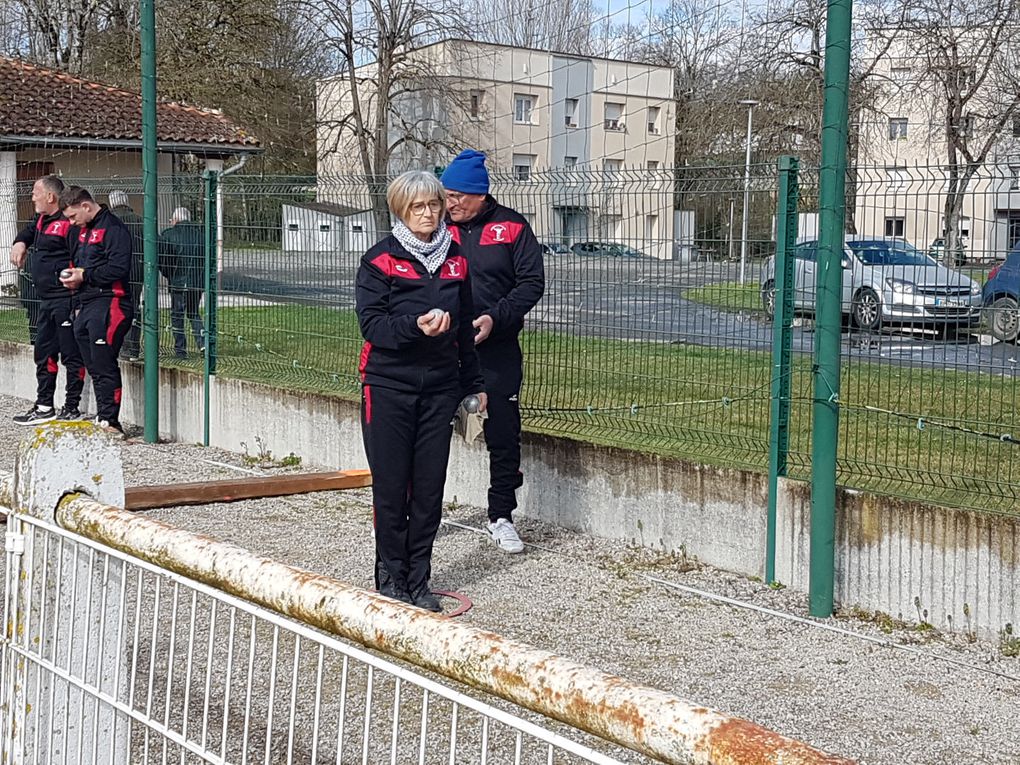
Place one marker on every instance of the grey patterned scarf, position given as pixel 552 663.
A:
pixel 430 254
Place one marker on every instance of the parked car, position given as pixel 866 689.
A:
pixel 1001 295
pixel 606 249
pixel 555 248
pixel 937 251
pixel 885 281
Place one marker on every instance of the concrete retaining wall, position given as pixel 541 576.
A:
pixel 902 558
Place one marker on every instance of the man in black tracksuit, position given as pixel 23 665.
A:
pixel 100 279
pixel 47 243
pixel 508 279
pixel 120 207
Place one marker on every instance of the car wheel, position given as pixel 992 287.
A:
pixel 1004 319
pixel 768 299
pixel 866 310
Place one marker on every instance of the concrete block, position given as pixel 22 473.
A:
pixel 59 458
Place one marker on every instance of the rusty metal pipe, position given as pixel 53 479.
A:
pixel 637 717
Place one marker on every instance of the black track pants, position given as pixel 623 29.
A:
pixel 55 344
pixel 407 441
pixel 100 328
pixel 502 368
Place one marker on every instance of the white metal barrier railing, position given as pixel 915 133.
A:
pixel 192 674
pixel 129 641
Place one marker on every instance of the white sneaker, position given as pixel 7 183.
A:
pixel 505 536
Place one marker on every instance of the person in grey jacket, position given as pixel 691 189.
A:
pixel 182 264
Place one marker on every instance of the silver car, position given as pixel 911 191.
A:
pixel 885 281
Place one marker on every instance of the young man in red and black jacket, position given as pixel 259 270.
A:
pixel 47 243
pixel 100 283
pixel 508 279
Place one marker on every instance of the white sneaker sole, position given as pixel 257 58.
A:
pixel 512 550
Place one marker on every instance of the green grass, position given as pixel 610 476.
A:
pixel 705 404
pixel 731 296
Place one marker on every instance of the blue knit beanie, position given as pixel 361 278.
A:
pixel 467 173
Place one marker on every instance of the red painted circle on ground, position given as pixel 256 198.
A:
pixel 464 606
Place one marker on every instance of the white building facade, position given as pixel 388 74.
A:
pixel 903 166
pixel 579 145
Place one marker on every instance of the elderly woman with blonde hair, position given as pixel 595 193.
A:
pixel 415 310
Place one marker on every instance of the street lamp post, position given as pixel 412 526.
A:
pixel 750 104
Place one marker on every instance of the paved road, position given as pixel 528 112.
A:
pixel 624 299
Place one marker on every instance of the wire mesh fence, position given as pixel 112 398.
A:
pixel 929 405
pixel 181 261
pixel 655 330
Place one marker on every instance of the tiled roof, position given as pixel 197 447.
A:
pixel 46 103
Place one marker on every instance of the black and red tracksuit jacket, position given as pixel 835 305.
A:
pixel 507 269
pixel 392 290
pixel 104 252
pixel 52 240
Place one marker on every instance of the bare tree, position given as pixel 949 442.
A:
pixel 564 26
pixel 57 31
pixel 786 65
pixel 967 75
pixel 386 98
pixel 695 38
pixel 13 28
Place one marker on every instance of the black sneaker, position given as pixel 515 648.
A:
pixel 423 597
pixel 35 416
pixel 69 413
pixel 395 591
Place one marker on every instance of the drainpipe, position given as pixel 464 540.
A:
pixel 241 162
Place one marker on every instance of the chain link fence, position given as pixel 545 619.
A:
pixel 655 330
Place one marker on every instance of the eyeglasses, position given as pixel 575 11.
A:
pixel 434 207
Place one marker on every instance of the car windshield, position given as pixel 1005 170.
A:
pixel 889 254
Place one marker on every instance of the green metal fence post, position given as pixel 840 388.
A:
pixel 150 323
pixel 782 341
pixel 210 181
pixel 825 408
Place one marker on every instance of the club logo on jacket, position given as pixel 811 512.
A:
pixel 92 237
pixel 401 268
pixel 58 228
pixel 504 232
pixel 454 268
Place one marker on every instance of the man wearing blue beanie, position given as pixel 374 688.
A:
pixel 507 279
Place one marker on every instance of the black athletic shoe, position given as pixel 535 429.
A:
pixel 69 413
pixel 423 597
pixel 36 416
pixel 395 591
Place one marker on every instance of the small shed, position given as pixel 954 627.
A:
pixel 326 227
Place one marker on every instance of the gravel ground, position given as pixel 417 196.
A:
pixel 947 701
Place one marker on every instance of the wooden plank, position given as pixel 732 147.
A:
pixel 234 489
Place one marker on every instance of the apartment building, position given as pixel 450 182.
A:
pixel 903 177
pixel 579 145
